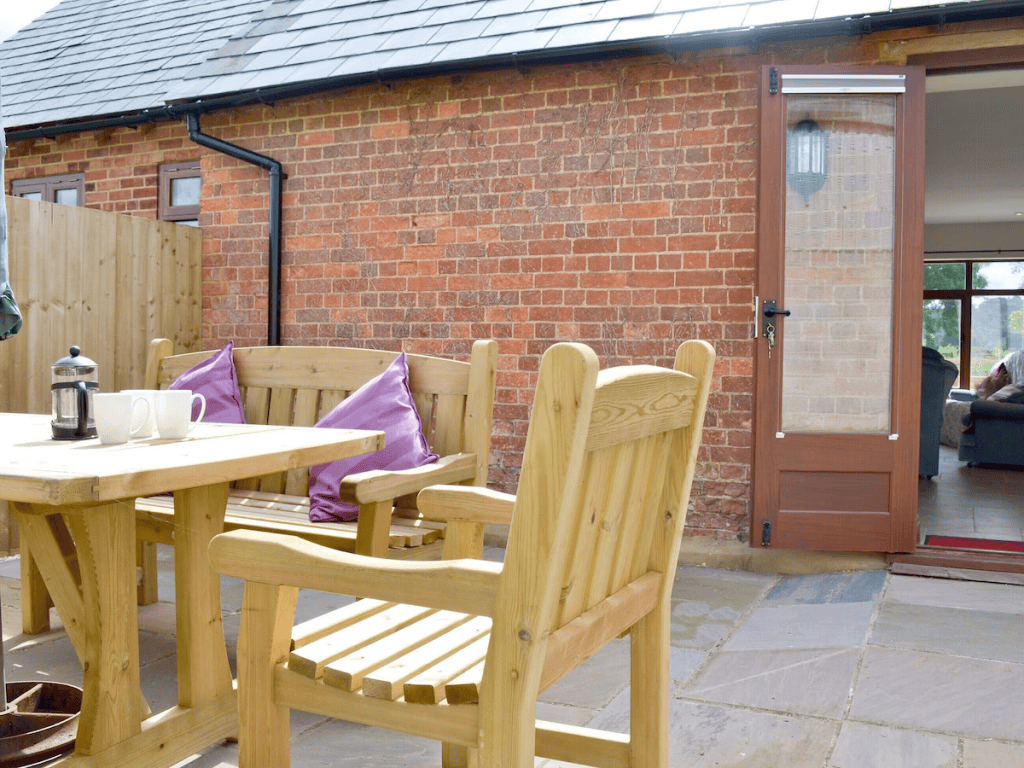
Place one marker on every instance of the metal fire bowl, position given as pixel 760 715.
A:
pixel 40 723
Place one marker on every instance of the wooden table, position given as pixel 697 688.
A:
pixel 75 506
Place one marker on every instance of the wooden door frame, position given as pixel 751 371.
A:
pixel 954 61
pixel 908 281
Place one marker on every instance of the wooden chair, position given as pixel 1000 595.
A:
pixel 592 550
pixel 297 386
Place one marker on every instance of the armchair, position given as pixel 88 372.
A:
pixel 595 534
pixel 937 377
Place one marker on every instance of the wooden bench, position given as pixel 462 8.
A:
pixel 298 386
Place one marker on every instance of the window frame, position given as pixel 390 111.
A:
pixel 964 295
pixel 167 172
pixel 48 186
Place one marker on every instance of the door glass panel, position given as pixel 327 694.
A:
pixel 941 328
pixel 839 263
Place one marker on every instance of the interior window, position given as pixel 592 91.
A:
pixel 973 313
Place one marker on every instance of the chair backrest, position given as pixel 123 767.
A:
pixel 599 513
pixel 297 386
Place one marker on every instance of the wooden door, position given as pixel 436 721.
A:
pixel 840 248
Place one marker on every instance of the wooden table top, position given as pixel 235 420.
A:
pixel 38 469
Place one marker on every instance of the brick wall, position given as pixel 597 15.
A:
pixel 611 203
pixel 120 165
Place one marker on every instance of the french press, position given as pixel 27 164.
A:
pixel 74 384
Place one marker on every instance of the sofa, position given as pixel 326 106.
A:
pixel 937 377
pixel 994 431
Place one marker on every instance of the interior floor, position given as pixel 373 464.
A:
pixel 975 502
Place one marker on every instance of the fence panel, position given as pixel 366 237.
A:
pixel 104 281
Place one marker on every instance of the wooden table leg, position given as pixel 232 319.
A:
pixel 203 669
pixel 35 600
pixel 111 704
pixel 53 552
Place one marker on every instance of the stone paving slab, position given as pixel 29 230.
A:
pixel 992 754
pixel 940 693
pixel 712 736
pixel 706 604
pixel 860 745
pixel 810 682
pixel 946 593
pixel 978 634
pixel 823 625
pixel 819 588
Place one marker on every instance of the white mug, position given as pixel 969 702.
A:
pixel 174 412
pixel 147 394
pixel 116 413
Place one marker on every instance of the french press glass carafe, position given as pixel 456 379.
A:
pixel 74 384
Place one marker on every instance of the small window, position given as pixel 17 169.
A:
pixel 66 190
pixel 180 184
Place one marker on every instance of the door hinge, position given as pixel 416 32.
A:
pixel 766 533
pixel 773 81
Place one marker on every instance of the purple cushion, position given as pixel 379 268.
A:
pixel 216 379
pixel 383 403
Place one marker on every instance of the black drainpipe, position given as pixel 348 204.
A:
pixel 276 177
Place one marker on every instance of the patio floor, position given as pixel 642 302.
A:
pixel 838 670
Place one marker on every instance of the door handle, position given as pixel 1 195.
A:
pixel 770 310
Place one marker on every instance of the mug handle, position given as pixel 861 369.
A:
pixel 202 409
pixel 145 418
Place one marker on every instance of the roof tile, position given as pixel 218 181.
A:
pixel 460 31
pixel 465 50
pixel 519 22
pixel 646 27
pixel 729 17
pixel 411 57
pixel 571 14
pixel 582 34
pixel 522 41
pixel 502 8
pixel 779 12
pixel 452 13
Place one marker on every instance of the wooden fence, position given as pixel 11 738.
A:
pixel 103 281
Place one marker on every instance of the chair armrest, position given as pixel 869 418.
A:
pixel 963 395
pixel 468 586
pixel 466 503
pixel 387 484
pixel 987 409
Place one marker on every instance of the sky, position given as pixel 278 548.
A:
pixel 15 14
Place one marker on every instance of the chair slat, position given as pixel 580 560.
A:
pixel 333 621
pixel 348 671
pixel 448 414
pixel 388 681
pixel 311 659
pixel 465 688
pixel 430 686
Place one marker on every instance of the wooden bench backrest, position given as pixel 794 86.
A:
pixel 297 386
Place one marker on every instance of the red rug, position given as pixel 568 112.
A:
pixel 962 542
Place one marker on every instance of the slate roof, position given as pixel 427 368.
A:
pixel 86 58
